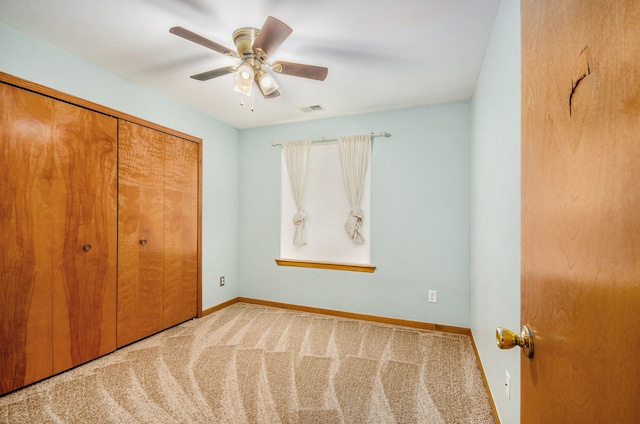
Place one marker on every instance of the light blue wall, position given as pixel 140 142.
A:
pixel 420 217
pixel 495 207
pixel 37 61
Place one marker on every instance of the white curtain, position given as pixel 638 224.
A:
pixel 296 155
pixel 355 152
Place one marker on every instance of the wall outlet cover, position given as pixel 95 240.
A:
pixel 433 296
pixel 507 384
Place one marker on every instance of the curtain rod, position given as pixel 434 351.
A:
pixel 324 139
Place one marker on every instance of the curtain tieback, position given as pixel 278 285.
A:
pixel 353 225
pixel 298 218
pixel 356 213
pixel 299 236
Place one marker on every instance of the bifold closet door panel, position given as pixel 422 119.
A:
pixel 181 230
pixel 26 174
pixel 140 232
pixel 85 225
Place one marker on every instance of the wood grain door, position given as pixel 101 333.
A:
pixel 58 195
pixel 581 210
pixel 26 235
pixel 181 231
pixel 85 225
pixel 140 232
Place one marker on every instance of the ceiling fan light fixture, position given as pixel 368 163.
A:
pixel 266 82
pixel 244 74
pixel 243 89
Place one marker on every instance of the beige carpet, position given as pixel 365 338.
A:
pixel 254 364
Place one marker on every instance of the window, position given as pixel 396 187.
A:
pixel 327 205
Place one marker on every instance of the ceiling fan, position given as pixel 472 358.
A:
pixel 253 46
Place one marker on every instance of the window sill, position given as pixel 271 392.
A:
pixel 326 265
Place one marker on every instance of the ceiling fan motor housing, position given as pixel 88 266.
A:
pixel 243 38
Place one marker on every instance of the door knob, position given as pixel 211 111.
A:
pixel 143 242
pixel 506 339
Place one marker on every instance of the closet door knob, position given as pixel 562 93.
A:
pixel 143 242
pixel 87 247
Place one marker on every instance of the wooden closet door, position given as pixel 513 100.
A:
pixel 84 224
pixel 140 232
pixel 26 173
pixel 181 230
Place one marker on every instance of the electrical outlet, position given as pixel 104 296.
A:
pixel 221 281
pixel 433 296
pixel 507 384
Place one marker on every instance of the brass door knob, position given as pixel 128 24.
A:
pixel 506 339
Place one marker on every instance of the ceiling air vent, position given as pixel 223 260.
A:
pixel 314 108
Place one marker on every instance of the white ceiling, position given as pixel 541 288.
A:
pixel 381 54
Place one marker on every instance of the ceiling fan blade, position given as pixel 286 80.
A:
pixel 272 34
pixel 300 70
pixel 204 76
pixel 192 36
